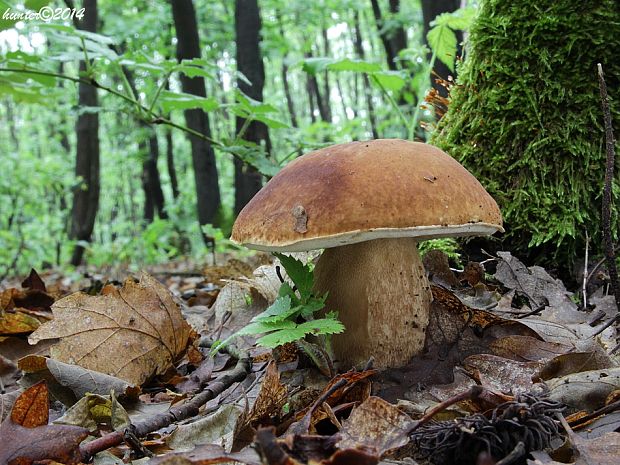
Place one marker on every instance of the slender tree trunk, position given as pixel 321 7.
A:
pixel 203 156
pixel 393 41
pixel 310 90
pixel 359 49
pixel 342 100
pixel 326 86
pixel 430 10
pixel 86 193
pixel 287 93
pixel 64 137
pixel 284 76
pixel 172 172
pixel 398 40
pixel 151 182
pixel 248 181
pixel 313 86
pixel 11 120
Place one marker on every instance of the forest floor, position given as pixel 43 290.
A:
pixel 515 370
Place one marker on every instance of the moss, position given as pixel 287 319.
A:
pixel 525 118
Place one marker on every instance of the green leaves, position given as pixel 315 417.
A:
pixel 251 109
pixel 283 321
pixel 182 101
pixel 299 273
pixel 442 41
pixel 442 38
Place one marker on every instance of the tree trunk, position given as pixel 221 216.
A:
pixel 151 182
pixel 248 181
pixel 326 87
pixel 203 156
pixel 359 49
pixel 393 41
pixel 313 87
pixel 172 172
pixel 287 93
pixel 311 98
pixel 86 193
pixel 430 10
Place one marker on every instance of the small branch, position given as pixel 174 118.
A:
pixel 154 117
pixel 585 273
pixel 175 414
pixel 607 191
pixel 591 416
pixel 472 393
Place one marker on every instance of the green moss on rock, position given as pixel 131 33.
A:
pixel 525 118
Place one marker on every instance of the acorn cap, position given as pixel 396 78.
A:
pixel 360 191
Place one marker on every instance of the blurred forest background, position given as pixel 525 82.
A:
pixel 132 132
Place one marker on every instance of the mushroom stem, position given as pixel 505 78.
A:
pixel 382 296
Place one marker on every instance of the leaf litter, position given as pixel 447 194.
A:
pixel 280 408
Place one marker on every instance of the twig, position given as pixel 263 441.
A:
pixel 304 424
pixel 602 411
pixel 537 310
pixel 153 117
pixel 585 273
pixel 607 193
pixel 181 412
pixel 515 455
pixel 471 394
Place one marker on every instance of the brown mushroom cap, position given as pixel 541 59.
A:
pixel 358 191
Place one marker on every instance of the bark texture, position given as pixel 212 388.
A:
pixel 248 181
pixel 395 39
pixel 86 192
pixel 203 156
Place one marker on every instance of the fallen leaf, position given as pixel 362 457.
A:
pixel 526 348
pixel 587 390
pixel 502 374
pixel 533 282
pixel 26 436
pixel 573 362
pixel 17 322
pixel 206 455
pixel 141 321
pixel 377 426
pixel 216 428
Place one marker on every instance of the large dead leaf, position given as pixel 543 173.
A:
pixel 132 333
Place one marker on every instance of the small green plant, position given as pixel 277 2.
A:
pixel 291 317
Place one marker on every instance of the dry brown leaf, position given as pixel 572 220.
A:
pixel 502 374
pixel 208 454
pixel 377 426
pixel 526 348
pixel 132 333
pixel 26 436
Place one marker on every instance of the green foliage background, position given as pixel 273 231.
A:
pixel 525 118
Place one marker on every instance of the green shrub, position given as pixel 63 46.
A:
pixel 525 119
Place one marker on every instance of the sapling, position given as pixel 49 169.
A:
pixel 291 317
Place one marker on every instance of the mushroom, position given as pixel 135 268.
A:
pixel 368 204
